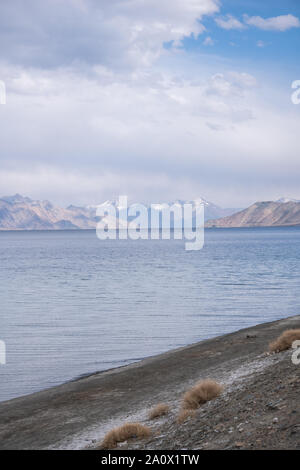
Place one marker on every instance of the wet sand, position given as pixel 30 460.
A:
pixel 77 414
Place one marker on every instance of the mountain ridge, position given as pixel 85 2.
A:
pixel 261 214
pixel 23 213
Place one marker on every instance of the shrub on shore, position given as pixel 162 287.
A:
pixel 159 410
pixel 201 393
pixel 285 341
pixel 124 432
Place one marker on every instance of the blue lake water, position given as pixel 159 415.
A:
pixel 72 305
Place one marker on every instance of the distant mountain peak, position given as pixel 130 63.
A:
pixel 16 198
pixel 22 213
pixel 284 200
pixel 201 200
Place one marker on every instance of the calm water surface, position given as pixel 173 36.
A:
pixel 72 305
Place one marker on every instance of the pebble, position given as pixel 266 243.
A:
pixel 239 444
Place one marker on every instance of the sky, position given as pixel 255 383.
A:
pixel 156 99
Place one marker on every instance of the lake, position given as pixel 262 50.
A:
pixel 72 304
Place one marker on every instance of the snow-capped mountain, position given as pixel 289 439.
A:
pixel 22 213
pixel 284 200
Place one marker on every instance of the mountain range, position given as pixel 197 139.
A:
pixel 22 213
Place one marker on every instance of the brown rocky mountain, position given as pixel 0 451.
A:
pixel 22 213
pixel 262 214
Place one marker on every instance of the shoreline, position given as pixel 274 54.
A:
pixel 76 414
pixel 95 373
pixel 209 227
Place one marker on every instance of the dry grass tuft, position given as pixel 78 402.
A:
pixel 124 432
pixel 284 341
pixel 184 415
pixel 159 410
pixel 202 392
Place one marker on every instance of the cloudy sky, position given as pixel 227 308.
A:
pixel 156 99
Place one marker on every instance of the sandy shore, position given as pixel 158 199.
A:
pixel 261 399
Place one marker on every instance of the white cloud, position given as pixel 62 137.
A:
pixel 84 188
pixel 229 22
pixel 243 79
pixel 234 84
pixel 103 108
pixel 153 136
pixel 208 41
pixel 116 33
pixel 260 43
pixel 276 23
